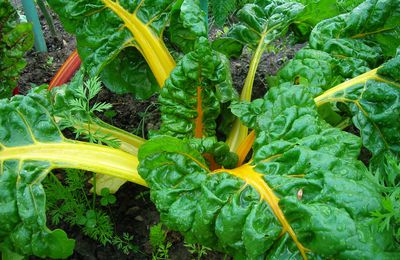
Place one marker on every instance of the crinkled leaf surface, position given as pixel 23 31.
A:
pixel 221 10
pixel 260 24
pixel 24 122
pixel 369 32
pixel 374 100
pixel 345 47
pixel 304 194
pixel 219 151
pixel 15 40
pixel 313 68
pixel 190 100
pixel 318 10
pixel 188 24
pixel 110 34
pixel 31 145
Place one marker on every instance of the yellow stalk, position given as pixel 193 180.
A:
pixel 362 79
pixel 129 143
pixel 239 132
pixel 237 135
pixel 254 179
pixel 255 61
pixel 79 155
pixel 245 147
pixel 149 44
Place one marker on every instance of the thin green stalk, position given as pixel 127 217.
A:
pixel 32 16
pixel 47 16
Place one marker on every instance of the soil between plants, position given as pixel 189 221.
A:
pixel 133 212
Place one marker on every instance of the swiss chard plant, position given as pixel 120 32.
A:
pixel 15 40
pixel 302 192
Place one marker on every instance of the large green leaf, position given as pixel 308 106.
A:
pixel 190 100
pixel 110 35
pixel 15 40
pixel 260 24
pixel 318 10
pixel 31 145
pixel 187 25
pixel 25 121
pixel 221 10
pixel 313 68
pixel 305 194
pixel 345 46
pixel 374 101
pixel 369 32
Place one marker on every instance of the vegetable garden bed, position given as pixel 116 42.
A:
pixel 275 138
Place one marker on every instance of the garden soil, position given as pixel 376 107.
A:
pixel 133 212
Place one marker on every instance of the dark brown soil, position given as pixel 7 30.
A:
pixel 133 213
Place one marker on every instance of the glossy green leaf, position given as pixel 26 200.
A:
pixel 23 218
pixel 374 100
pixel 190 100
pixel 318 10
pixel 313 68
pixel 344 47
pixel 31 145
pixel 110 35
pixel 15 40
pixel 132 73
pixel 187 25
pixel 318 70
pixel 260 24
pixel 218 150
pixel 369 32
pixel 221 10
pixel 305 194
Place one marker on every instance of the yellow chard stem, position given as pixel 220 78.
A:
pixel 149 44
pixel 239 131
pixel 79 155
pixel 324 98
pixel 129 143
pixel 255 61
pixel 254 179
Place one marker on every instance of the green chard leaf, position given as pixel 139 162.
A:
pixel 221 10
pixel 31 145
pixel 374 101
pixel 111 35
pixel 318 10
pixel 305 195
pixel 23 218
pixel 313 68
pixel 345 47
pixel 188 24
pixel 15 39
pixel 190 100
pixel 260 24
pixel 370 32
